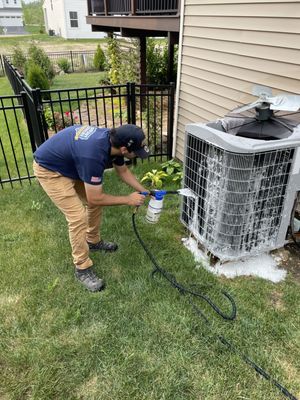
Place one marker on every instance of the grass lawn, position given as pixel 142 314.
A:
pixel 139 338
pixel 77 80
pixel 5 88
pixel 48 43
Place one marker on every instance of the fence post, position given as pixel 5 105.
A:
pixel 133 103
pixel 36 113
pixel 128 101
pixel 2 65
pixel 170 120
pixel 26 113
pixel 72 60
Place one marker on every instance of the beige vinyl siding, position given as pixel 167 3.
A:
pixel 227 47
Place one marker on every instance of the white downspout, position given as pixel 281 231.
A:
pixel 178 81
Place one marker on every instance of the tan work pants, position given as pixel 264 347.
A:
pixel 83 221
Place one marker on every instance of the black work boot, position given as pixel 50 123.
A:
pixel 103 246
pixel 89 279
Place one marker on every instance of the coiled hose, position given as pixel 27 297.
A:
pixel 198 294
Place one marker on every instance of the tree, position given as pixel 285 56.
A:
pixel 99 59
pixel 18 59
pixel 37 56
pixel 36 77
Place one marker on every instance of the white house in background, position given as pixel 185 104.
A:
pixel 11 17
pixel 66 18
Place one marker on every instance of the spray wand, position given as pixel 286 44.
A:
pixel 184 192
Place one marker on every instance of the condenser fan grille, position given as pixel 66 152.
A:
pixel 240 197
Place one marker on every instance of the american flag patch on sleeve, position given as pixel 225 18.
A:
pixel 95 179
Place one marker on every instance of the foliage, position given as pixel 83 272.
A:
pixel 57 121
pixel 177 177
pixel 157 61
pixel 64 65
pixel 36 77
pixel 122 61
pixel 171 167
pixel 37 56
pixel 154 178
pixel 129 71
pixel 114 60
pixel 170 171
pixel 156 68
pixel 99 59
pixel 153 116
pixel 19 59
pixel 33 12
pixel 42 29
pixel 104 81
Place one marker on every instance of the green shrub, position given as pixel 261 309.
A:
pixel 64 65
pixel 154 178
pixel 38 57
pixel 36 77
pixel 19 59
pixel 153 116
pixel 42 29
pixel 129 71
pixel 57 121
pixel 114 61
pixel 104 81
pixel 99 59
pixel 173 169
pixel 157 61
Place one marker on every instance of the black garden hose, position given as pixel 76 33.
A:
pixel 192 292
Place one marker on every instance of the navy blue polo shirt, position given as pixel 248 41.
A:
pixel 78 152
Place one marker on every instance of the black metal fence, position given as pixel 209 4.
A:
pixel 79 61
pixel 16 143
pixel 2 72
pixel 48 111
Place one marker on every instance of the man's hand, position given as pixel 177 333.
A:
pixel 135 199
pixel 96 197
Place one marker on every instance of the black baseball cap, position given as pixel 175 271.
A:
pixel 132 137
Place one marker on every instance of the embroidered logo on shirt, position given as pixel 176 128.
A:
pixel 85 132
pixel 95 179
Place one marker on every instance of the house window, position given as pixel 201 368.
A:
pixel 73 19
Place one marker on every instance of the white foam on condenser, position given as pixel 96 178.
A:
pixel 263 266
pixel 192 245
pixel 186 192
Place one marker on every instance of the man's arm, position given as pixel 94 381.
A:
pixel 127 177
pixel 96 197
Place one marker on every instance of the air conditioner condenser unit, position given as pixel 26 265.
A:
pixel 245 184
